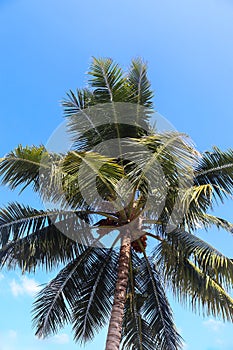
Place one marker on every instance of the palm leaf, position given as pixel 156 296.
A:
pixel 136 332
pixel 190 284
pixel 216 168
pixel 107 79
pixel 158 165
pixel 52 305
pixel 89 178
pixel 207 220
pixel 22 166
pixel 156 309
pixel 75 103
pixel 206 256
pixel 31 237
pixel 83 120
pixel 94 128
pixel 93 306
pixel 195 217
pixel 139 84
pixel 94 117
pixel 32 166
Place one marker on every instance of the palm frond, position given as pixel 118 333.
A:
pixel 93 306
pixel 139 84
pixel 210 294
pixel 31 237
pixel 51 309
pixel 84 120
pixel 76 102
pixel 216 168
pixel 156 309
pixel 109 87
pixel 159 165
pixel 207 257
pixel 199 197
pixel 89 178
pixel 196 200
pixel 32 166
pixel 95 127
pixel 207 220
pixel 192 286
pixel 136 331
pixel 22 166
pixel 108 81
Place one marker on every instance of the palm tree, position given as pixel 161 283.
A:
pixel 125 284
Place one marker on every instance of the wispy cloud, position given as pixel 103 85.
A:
pixel 8 339
pixel 60 339
pixel 213 325
pixel 12 334
pixel 25 286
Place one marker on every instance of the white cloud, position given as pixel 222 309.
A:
pixel 12 334
pixel 62 338
pixel 8 340
pixel 220 342
pixel 213 325
pixel 25 286
pixel 1 276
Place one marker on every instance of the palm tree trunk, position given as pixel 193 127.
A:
pixel 115 324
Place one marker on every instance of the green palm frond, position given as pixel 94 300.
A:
pixel 22 166
pixel 94 127
pixel 139 84
pixel 136 331
pixel 76 102
pixel 174 149
pixel 210 294
pixel 46 248
pixel 196 200
pixel 80 293
pixel 54 176
pixel 108 81
pixel 156 309
pixel 32 166
pixel 89 178
pixel 199 197
pixel 51 309
pixel 207 220
pixel 159 163
pixel 170 150
pixel 83 121
pixel 216 168
pixel 205 256
pixel 192 286
pixel 117 99
pixel 93 306
pixel 17 220
pixel 31 237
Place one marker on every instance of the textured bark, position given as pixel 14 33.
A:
pixel 115 324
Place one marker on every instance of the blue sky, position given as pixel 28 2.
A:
pixel 46 47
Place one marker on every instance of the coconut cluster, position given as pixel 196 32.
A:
pixel 136 245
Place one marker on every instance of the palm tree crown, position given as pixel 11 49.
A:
pixel 152 190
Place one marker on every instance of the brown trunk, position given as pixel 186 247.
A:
pixel 115 324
